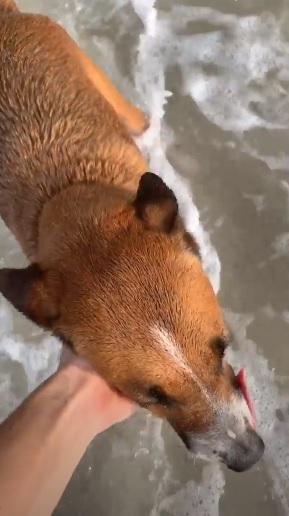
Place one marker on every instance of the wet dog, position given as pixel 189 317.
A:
pixel 112 270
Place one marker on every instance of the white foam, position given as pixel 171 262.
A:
pixel 285 188
pixel 268 398
pixel 243 51
pixel 257 200
pixel 23 365
pixel 226 100
pixel 285 316
pixel 236 71
pixel 281 245
pixel 196 499
pixel 150 83
pixel 278 161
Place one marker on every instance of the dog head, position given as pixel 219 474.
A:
pixel 127 289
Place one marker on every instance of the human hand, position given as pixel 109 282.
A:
pixel 97 402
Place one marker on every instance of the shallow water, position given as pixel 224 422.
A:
pixel 215 82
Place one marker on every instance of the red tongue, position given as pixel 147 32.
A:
pixel 242 383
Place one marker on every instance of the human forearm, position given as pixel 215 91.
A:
pixel 43 441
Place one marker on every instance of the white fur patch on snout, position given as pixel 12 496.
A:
pixel 168 346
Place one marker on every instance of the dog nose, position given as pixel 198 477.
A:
pixel 245 451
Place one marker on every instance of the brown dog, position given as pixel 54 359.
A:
pixel 113 271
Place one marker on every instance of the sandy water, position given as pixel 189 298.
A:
pixel 215 79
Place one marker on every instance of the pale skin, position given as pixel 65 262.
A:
pixel 44 440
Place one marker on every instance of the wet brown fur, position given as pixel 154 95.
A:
pixel 110 262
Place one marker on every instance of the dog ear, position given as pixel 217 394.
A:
pixel 155 203
pixel 33 292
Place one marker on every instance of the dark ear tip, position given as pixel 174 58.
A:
pixel 6 275
pixel 155 203
pixel 153 185
pixel 146 182
pixel 3 279
pixel 27 289
pixel 148 179
pixel 147 176
pixel 32 272
pixel 15 284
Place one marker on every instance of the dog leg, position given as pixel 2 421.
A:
pixel 134 119
pixel 8 6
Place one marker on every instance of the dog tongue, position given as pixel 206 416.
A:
pixel 242 383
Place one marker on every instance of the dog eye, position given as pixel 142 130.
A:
pixel 219 346
pixel 158 397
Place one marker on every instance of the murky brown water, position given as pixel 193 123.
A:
pixel 226 131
